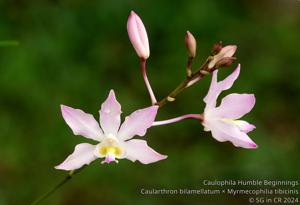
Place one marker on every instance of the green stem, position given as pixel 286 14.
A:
pixel 56 187
pixel 173 94
pixel 183 85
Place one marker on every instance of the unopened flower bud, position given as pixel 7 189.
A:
pixel 217 48
pixel 138 35
pixel 227 51
pixel 191 44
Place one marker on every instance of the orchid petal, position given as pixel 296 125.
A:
pixel 137 123
pixel 82 123
pixel 234 106
pixel 211 97
pixel 217 87
pixel 223 131
pixel 139 150
pixel 244 126
pixel 110 112
pixel 83 154
pixel 229 80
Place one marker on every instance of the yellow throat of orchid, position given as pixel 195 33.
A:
pixel 115 150
pixel 110 149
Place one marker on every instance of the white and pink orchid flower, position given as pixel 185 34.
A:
pixel 113 139
pixel 223 121
pixel 138 35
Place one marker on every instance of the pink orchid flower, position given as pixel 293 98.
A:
pixel 113 139
pixel 138 35
pixel 223 121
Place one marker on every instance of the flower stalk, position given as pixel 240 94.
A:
pixel 177 119
pixel 189 71
pixel 147 83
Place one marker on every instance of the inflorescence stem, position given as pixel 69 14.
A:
pixel 177 119
pixel 195 77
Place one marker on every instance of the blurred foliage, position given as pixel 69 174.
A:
pixel 74 51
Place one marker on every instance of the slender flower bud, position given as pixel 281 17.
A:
pixel 225 52
pixel 138 35
pixel 191 44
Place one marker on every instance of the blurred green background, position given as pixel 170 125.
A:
pixel 74 51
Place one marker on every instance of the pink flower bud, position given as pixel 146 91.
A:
pixel 191 44
pixel 138 35
pixel 225 52
pixel 228 51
